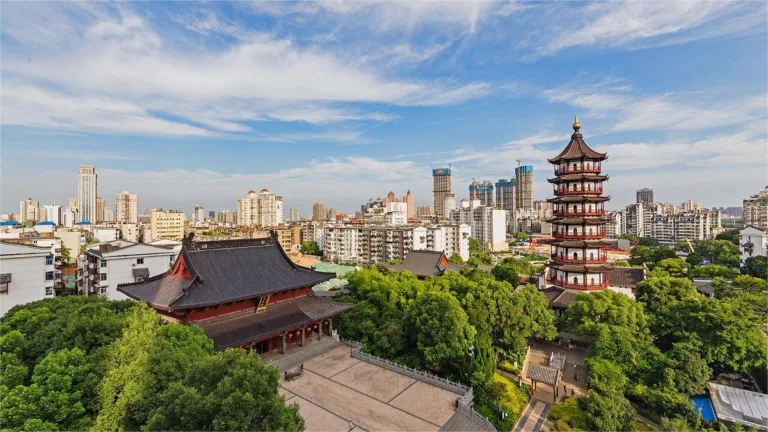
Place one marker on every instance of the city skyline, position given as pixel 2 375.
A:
pixel 407 88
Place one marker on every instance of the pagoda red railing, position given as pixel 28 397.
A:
pixel 579 213
pixel 563 258
pixel 587 287
pixel 582 170
pixel 577 192
pixel 598 234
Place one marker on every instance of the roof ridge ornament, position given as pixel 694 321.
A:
pixel 576 124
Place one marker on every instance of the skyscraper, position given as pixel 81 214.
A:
pixel 99 209
pixel 482 191
pixel 408 200
pixel 441 178
pixel 54 213
pixel 318 212
pixel 505 194
pixel 263 209
pixel 294 215
pixel 127 207
pixel 87 191
pixel 524 178
pixel 645 196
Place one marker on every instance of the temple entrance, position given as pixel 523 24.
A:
pixel 262 347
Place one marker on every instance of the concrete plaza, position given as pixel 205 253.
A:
pixel 337 388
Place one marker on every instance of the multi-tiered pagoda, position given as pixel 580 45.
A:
pixel 579 259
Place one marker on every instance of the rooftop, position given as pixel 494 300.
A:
pixel 577 148
pixel 735 405
pixel 224 271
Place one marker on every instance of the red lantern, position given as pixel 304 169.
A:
pixel 298 332
pixel 325 322
pixel 309 330
pixel 315 326
pixel 290 335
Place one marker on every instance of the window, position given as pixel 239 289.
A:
pixel 103 276
pixel 49 275
pixel 103 263
pixel 593 281
pixel 3 288
pixel 575 280
pixel 139 260
pixel 103 291
pixel 591 255
pixel 49 260
pixel 575 256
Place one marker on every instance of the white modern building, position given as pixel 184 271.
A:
pixel 29 210
pixel 87 192
pixel 24 274
pixel 105 265
pixel 126 207
pixel 396 214
pixel 263 209
pixel 488 225
pixel 752 242
pixel 54 213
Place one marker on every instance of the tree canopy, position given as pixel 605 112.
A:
pixel 310 247
pixel 756 266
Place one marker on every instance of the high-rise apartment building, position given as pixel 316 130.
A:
pixel 487 224
pixel 87 192
pixel 29 210
pixel 127 207
pixel 294 215
pixel 99 209
pixel 424 211
pixel 263 209
pixel 482 191
pixel 644 196
pixel 225 216
pixel 755 210
pixel 524 178
pixel 408 200
pixel 199 214
pixel 318 212
pixel 211 214
pixel 506 193
pixel 330 214
pixel 54 213
pixel 109 214
pixel 449 205
pixel 167 224
pixel 441 179
pixel 689 206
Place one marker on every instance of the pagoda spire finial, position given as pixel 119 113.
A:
pixel 576 124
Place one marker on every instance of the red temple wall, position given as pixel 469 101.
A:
pixel 289 295
pixel 198 314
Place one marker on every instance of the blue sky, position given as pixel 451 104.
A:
pixel 196 103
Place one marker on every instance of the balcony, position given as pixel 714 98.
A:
pixel 562 258
pixel 582 170
pixel 578 213
pixel 581 287
pixel 583 236
pixel 562 192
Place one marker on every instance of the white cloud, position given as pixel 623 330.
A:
pixel 640 24
pixel 119 56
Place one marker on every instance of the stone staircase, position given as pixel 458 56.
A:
pixel 304 354
pixel 567 376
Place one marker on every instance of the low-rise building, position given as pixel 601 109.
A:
pixel 752 242
pixel 103 266
pixel 24 274
pixel 167 224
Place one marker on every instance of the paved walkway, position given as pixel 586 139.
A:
pixel 533 418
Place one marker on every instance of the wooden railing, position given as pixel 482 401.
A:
pixel 581 170
pixel 579 213
pixel 588 235
pixel 563 258
pixel 560 192
pixel 577 286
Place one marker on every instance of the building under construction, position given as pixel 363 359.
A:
pixel 524 177
pixel 442 187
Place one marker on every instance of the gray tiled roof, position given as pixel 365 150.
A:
pixel 243 327
pixel 577 148
pixel 222 274
pixel 740 406
pixel 421 263
pixel 142 272
pixel 626 277
pixel 542 374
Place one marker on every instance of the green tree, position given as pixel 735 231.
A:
pixel 694 259
pixel 661 253
pixel 674 267
pixel 648 241
pixel 507 274
pixel 686 371
pixel 750 283
pixel 228 391
pixel 621 263
pixel 712 271
pixel 729 336
pixel 536 316
pixel 441 332
pixel 606 376
pixel 729 235
pixel 483 364
pixel 66 255
pixel 456 259
pixel 756 266
pixel 310 247
pixel 639 255
pixel 609 411
pixel 474 246
pixel 721 252
pixel 592 311
pixel 633 239
pixel 657 292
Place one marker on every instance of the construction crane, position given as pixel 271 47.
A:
pixel 690 246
